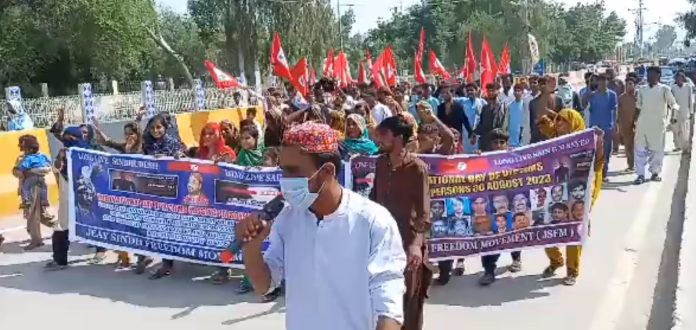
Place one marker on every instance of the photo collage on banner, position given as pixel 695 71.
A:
pixel 529 197
pixel 178 209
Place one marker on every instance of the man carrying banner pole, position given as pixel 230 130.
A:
pixel 339 253
pixel 401 185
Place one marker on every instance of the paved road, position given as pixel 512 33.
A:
pixel 619 278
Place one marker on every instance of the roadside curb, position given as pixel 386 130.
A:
pixel 685 300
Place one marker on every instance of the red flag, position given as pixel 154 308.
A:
pixel 418 71
pixel 300 75
pixel 436 67
pixel 377 68
pixel 504 66
pixel 362 75
pixel 390 70
pixel 329 65
pixel 341 70
pixel 470 64
pixel 278 59
pixel 222 79
pixel 421 44
pixel 487 64
pixel 313 77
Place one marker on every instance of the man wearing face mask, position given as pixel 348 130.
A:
pixel 339 253
pixel 401 185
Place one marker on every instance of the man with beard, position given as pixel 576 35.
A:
pixel 452 113
pixel 577 190
pixel 401 185
pixel 559 213
pixel 492 116
pixel 434 137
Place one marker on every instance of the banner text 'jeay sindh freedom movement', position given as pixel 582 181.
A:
pixel 536 196
pixel 176 209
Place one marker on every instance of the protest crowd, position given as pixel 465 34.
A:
pixel 371 246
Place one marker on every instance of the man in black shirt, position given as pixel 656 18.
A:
pixel 492 115
pixel 452 113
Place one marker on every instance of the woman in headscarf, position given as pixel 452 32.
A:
pixel 552 125
pixel 230 134
pixel 160 139
pixel 71 137
pixel 213 145
pixel 357 140
pixel 133 144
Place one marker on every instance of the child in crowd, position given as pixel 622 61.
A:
pixel 271 157
pixel 251 116
pixel 498 140
pixel 33 168
pixel 251 151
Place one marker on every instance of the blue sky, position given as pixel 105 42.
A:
pixel 368 12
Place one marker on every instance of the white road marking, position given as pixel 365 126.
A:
pixel 611 305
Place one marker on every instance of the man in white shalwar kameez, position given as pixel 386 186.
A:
pixel 654 101
pixel 683 93
pixel 340 254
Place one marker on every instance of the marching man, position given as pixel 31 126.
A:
pixel 684 95
pixel 652 109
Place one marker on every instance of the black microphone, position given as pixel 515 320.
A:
pixel 269 212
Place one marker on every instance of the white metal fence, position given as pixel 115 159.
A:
pixel 122 106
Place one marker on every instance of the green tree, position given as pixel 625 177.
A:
pixel 70 41
pixel 665 38
pixel 246 27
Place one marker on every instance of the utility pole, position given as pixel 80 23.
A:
pixel 640 25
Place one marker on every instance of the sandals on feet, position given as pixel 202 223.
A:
pixel 273 295
pixel 98 259
pixel 550 271
pixel 33 246
pixel 515 267
pixel 570 280
pixel 160 273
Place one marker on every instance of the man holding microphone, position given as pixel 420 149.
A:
pixel 339 253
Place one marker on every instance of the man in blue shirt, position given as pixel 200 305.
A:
pixel 603 106
pixel 472 105
pixel 428 97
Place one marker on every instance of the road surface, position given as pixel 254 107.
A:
pixel 630 245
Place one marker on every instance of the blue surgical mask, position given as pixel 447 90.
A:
pixel 296 192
